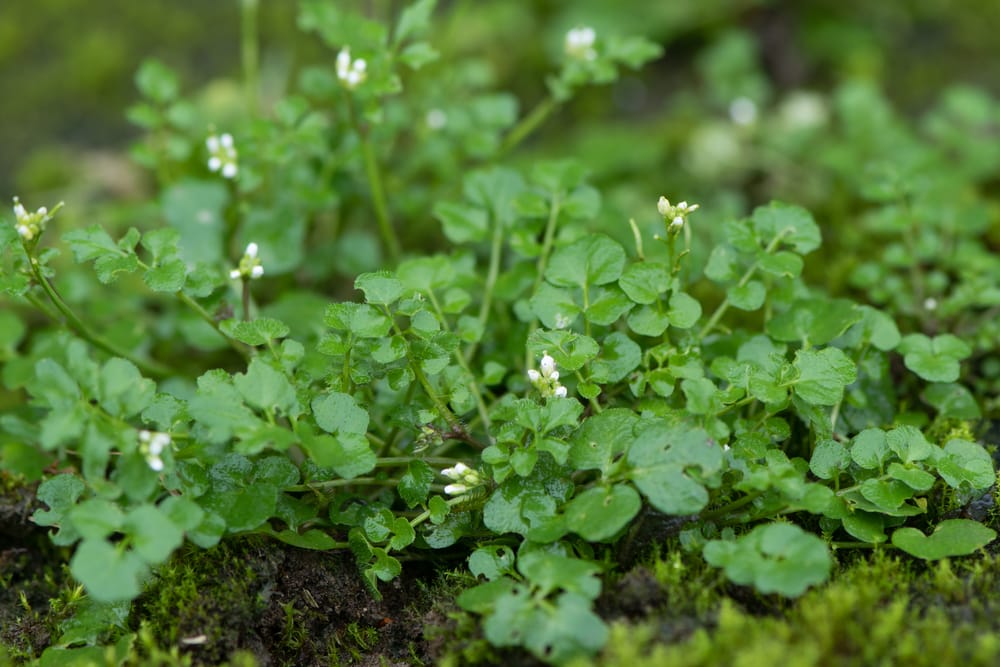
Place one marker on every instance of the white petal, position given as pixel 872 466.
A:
pixel 212 143
pixel 226 140
pixel 534 375
pixel 548 365
pixel 251 250
pixel 214 163
pixel 257 271
pixel 455 489
pixel 229 170
pixel 560 392
pixel 235 274
pixel 663 206
pixel 155 463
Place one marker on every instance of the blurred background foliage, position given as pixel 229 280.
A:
pixel 66 66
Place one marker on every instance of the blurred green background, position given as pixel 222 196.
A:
pixel 66 66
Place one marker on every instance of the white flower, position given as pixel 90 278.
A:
pixel 676 214
pixel 743 111
pixel 436 119
pixel 562 321
pixel 579 43
pixel 455 489
pixel 223 157
pixel 547 380
pixel 930 303
pixel 351 73
pixel 152 445
pixel 250 266
pixel 30 225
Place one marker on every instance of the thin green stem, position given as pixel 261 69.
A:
pixel 529 124
pixel 386 229
pixel 737 504
pixel 418 372
pixel 543 259
pixel 724 306
pixel 477 393
pixel 211 321
pixel 392 461
pixel 496 254
pixel 148 367
pixel 423 516
pixel 246 299
pixel 249 51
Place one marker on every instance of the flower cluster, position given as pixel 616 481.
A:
pixel 222 155
pixel 464 477
pixel 675 215
pixel 351 73
pixel 547 381
pixel 250 266
pixel 579 43
pixel 152 444
pixel 30 225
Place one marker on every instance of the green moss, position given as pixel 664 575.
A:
pixel 878 610
pixel 203 598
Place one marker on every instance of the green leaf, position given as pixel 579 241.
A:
pixel 648 321
pixel 60 493
pixel 620 355
pixel 661 457
pixel 888 494
pixel 381 288
pixel 349 454
pixel 747 297
pixel 964 464
pixel 866 526
pixel 814 321
pixel 870 449
pixel 266 388
pixel 570 350
pixel 607 305
pixel 793 224
pixel 109 572
pixel 935 360
pixel 554 306
pixel 153 535
pixel 829 459
pixel 915 478
pixel 781 263
pixel 593 260
pixel 91 243
pixel 338 413
pixel 314 539
pixel 462 223
pixel 96 518
pixel 122 390
pixel 601 438
pixel 491 562
pixel 774 558
pixel 169 276
pixel 415 484
pixel 255 332
pixel 644 282
pixel 952 401
pixel 599 513
pixel 684 311
pixel 823 375
pixel 157 81
pixel 414 19
pixel 954 537
pixel 194 208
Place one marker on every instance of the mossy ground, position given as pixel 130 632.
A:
pixel 252 601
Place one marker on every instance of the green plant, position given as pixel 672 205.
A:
pixel 713 380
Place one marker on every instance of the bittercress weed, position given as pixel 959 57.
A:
pixel 522 389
